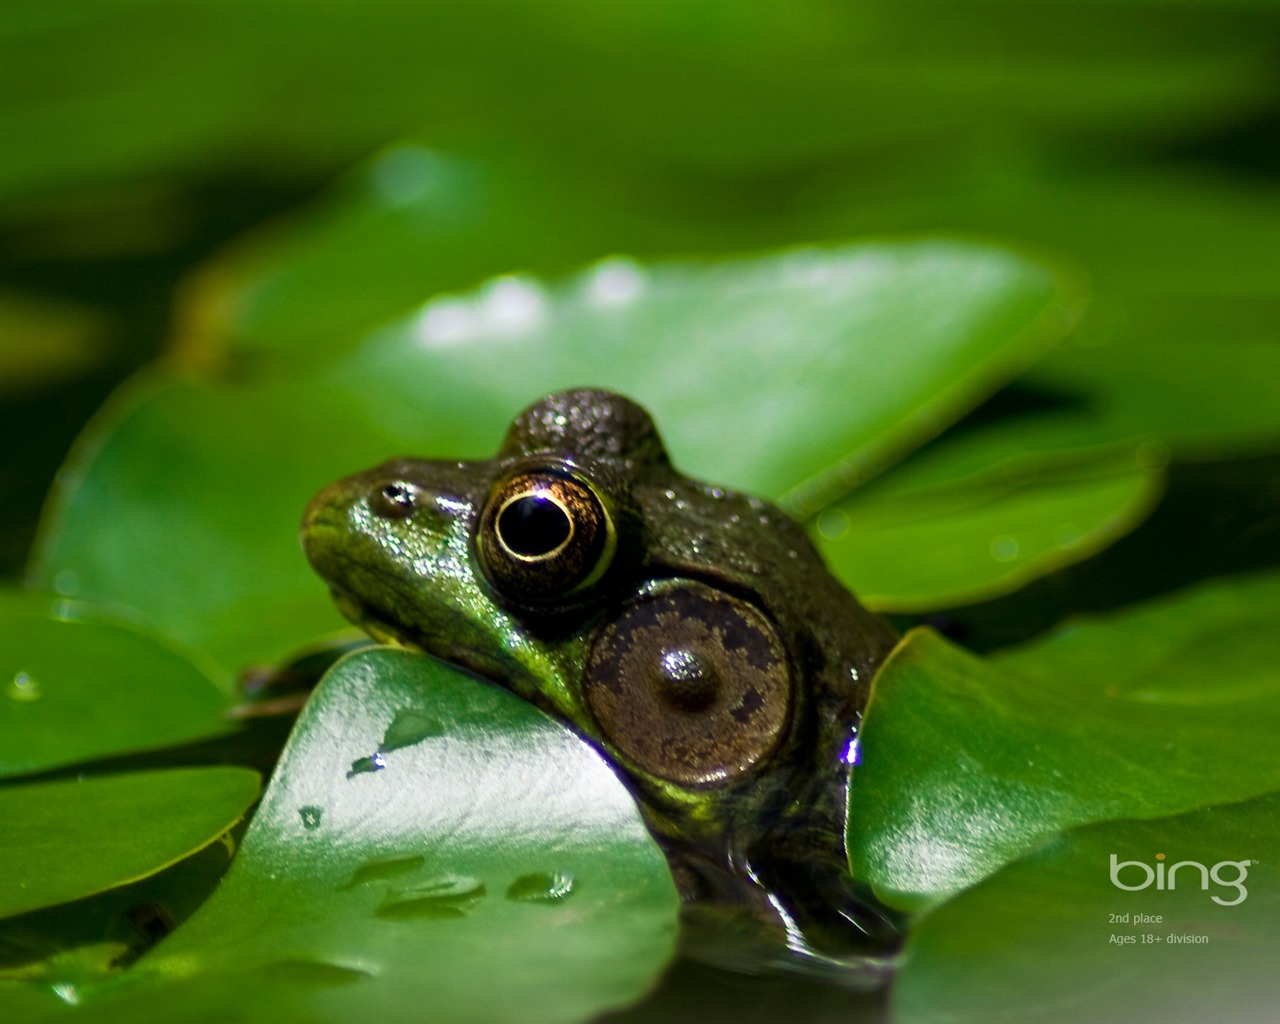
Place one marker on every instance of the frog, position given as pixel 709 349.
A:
pixel 691 633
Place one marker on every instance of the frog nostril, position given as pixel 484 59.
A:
pixel 395 500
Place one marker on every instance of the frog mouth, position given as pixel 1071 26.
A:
pixel 386 630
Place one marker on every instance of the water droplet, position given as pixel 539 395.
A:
pixel 310 817
pixel 24 688
pixel 850 755
pixel 1004 549
pixel 372 763
pixel 833 524
pixel 446 321
pixel 66 611
pixel 443 897
pixel 406 174
pixel 615 282
pixel 511 305
pixel 67 993
pixel 409 726
pixel 380 870
pixel 541 887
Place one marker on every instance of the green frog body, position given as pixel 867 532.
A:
pixel 691 633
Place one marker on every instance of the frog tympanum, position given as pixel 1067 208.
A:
pixel 689 632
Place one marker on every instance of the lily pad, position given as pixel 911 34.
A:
pixel 58 950
pixel 413 222
pixel 1052 938
pixel 183 501
pixel 734 357
pixel 1180 342
pixel 981 537
pixel 968 764
pixel 65 840
pixel 1154 241
pixel 78 686
pixel 402 890
pixel 1209 398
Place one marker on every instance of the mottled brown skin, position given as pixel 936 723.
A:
pixel 707 651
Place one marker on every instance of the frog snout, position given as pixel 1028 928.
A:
pixel 323 509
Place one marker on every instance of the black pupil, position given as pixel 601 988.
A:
pixel 534 525
pixel 397 495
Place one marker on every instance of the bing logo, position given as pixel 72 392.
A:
pixel 1229 874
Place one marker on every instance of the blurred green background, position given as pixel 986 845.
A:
pixel 241 208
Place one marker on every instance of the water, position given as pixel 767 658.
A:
pixel 447 896
pixel 541 887
pixel 408 726
pixel 361 765
pixel 24 688
pixel 381 870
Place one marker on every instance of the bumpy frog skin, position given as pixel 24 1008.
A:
pixel 691 633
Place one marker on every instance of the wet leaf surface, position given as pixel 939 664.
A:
pixel 361 895
pixel 967 764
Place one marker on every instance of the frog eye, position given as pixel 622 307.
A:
pixel 691 684
pixel 543 535
pixel 393 500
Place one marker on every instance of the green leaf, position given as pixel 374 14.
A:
pixel 792 375
pixel 78 685
pixel 914 549
pixel 967 764
pixel 65 947
pixel 1045 930
pixel 1209 398
pixel 412 223
pixel 64 840
pixel 1161 240
pixel 1181 341
pixel 362 892
pixel 735 358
